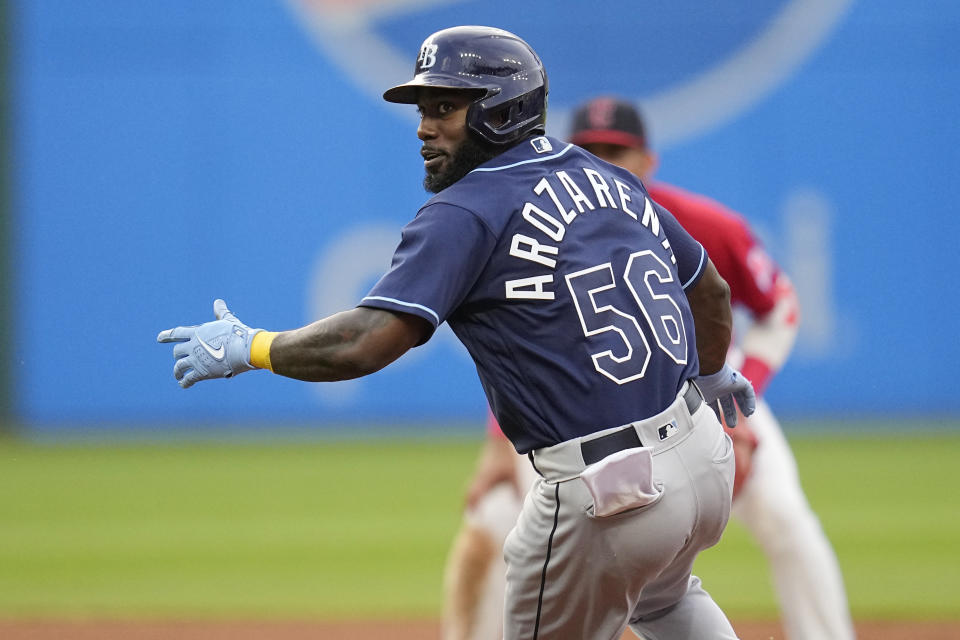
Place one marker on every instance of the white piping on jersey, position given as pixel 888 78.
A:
pixel 406 304
pixel 703 255
pixel 517 164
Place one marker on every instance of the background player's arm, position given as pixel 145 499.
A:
pixel 770 337
pixel 709 301
pixel 346 345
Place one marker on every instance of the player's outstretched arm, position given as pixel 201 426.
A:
pixel 346 345
pixel 723 387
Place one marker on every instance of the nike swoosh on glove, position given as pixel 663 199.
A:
pixel 724 388
pixel 216 349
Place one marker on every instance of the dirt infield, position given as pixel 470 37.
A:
pixel 381 630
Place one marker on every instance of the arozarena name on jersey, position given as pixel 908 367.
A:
pixel 553 229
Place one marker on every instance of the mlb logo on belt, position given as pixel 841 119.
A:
pixel 668 430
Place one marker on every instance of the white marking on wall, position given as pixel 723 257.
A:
pixel 807 228
pixel 344 31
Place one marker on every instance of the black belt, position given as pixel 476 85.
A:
pixel 599 448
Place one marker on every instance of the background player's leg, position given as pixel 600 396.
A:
pixel 472 563
pixel 773 507
pixel 474 581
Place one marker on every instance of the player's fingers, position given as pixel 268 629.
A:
pixel 190 379
pixel 181 367
pixel 729 410
pixel 748 402
pixel 177 334
pixel 182 350
pixel 221 311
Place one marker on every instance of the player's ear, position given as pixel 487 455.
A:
pixel 651 162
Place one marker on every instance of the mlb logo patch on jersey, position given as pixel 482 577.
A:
pixel 668 430
pixel 541 145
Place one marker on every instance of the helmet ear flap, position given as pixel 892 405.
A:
pixel 512 120
pixel 499 118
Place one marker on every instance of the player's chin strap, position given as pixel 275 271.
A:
pixel 728 389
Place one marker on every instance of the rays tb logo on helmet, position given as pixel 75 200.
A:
pixel 428 56
pixel 503 71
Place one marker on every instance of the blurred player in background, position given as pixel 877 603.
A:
pixel 768 498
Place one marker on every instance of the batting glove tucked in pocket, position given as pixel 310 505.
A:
pixel 622 481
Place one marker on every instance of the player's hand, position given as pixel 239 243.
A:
pixel 216 349
pixel 726 390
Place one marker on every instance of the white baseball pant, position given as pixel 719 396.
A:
pixel 771 506
pixel 602 546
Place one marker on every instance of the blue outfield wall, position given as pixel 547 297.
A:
pixel 169 153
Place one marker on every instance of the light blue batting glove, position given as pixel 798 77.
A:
pixel 216 349
pixel 725 387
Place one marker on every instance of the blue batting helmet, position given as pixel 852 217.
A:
pixel 506 74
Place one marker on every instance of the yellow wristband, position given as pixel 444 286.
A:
pixel 260 349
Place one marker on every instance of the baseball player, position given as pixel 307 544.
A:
pixel 768 498
pixel 599 329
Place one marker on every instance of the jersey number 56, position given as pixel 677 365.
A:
pixel 604 306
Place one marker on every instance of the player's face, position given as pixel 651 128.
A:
pixel 443 126
pixel 639 162
pixel 449 151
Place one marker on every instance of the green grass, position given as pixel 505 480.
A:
pixel 205 530
pixel 340 529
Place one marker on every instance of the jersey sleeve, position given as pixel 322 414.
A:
pixel 441 254
pixel 690 254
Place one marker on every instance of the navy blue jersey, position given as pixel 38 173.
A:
pixel 564 281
